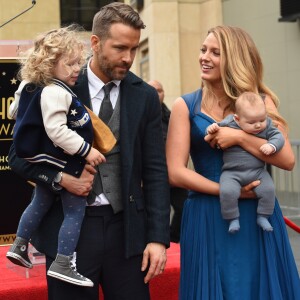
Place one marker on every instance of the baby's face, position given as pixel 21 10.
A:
pixel 252 121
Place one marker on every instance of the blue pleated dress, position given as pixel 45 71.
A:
pixel 216 265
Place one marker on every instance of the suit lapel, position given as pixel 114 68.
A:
pixel 131 108
pixel 131 113
pixel 81 89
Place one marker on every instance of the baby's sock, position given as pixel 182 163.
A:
pixel 234 226
pixel 263 222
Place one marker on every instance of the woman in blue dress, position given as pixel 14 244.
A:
pixel 251 264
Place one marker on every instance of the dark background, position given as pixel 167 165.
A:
pixel 15 192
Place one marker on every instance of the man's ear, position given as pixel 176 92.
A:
pixel 95 43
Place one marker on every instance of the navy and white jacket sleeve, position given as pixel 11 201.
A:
pixel 56 105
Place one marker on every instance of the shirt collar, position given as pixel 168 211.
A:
pixel 95 83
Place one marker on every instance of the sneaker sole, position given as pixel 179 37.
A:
pixel 18 260
pixel 69 279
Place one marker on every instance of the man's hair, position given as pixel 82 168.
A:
pixel 112 13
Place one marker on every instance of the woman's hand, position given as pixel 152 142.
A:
pixel 225 137
pixel 247 190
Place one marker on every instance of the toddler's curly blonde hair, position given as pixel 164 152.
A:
pixel 38 63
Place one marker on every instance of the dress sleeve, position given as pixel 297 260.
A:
pixel 193 101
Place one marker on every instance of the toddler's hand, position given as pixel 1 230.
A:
pixel 95 158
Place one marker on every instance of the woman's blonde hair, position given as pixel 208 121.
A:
pixel 38 63
pixel 241 66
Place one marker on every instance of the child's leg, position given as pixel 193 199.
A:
pixel 230 189
pixel 32 216
pixel 64 266
pixel 265 193
pixel 30 220
pixel 74 210
pixel 266 201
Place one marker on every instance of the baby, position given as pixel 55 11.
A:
pixel 240 167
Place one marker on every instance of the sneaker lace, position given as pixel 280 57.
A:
pixel 73 265
pixel 73 262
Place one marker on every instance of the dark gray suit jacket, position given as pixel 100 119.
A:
pixel 145 188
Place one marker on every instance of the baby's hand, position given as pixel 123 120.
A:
pixel 95 158
pixel 213 128
pixel 267 149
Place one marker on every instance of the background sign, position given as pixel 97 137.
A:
pixel 15 192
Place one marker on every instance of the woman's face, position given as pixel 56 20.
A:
pixel 210 60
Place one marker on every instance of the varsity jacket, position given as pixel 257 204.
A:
pixel 52 126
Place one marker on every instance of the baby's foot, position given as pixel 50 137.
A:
pixel 234 226
pixel 264 223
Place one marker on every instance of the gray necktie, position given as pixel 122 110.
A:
pixel 106 109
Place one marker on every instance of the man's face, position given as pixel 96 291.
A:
pixel 159 89
pixel 113 57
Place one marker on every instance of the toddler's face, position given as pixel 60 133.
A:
pixel 67 69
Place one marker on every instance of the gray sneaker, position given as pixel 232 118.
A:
pixel 18 253
pixel 64 268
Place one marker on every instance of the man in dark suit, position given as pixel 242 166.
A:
pixel 125 232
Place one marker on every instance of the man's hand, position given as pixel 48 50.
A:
pixel 79 186
pixel 155 254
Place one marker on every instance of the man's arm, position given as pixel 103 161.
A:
pixel 37 173
pixel 45 174
pixel 156 192
pixel 79 186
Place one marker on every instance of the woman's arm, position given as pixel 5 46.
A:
pixel 227 137
pixel 178 148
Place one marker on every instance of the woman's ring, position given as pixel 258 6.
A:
pixel 218 146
